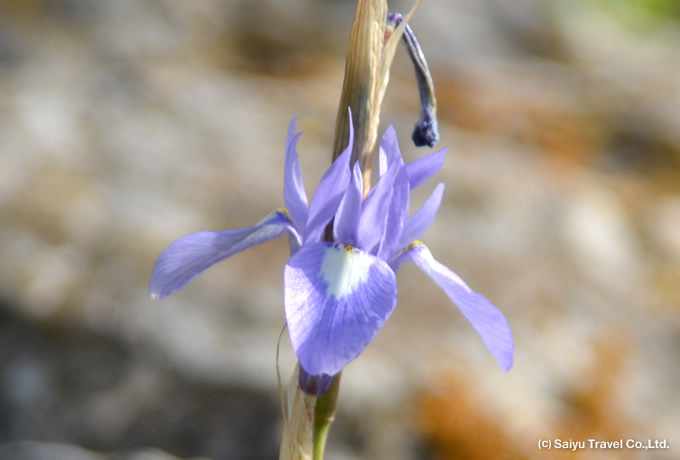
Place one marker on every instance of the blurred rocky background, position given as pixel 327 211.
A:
pixel 126 124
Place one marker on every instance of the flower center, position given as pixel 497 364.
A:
pixel 344 268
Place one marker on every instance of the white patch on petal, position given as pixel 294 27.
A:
pixel 343 269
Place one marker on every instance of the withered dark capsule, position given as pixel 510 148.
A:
pixel 425 131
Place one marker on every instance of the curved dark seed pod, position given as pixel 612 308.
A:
pixel 425 131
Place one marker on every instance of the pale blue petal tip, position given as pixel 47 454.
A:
pixel 189 256
pixel 484 317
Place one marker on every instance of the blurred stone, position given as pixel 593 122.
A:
pixel 599 237
pixel 33 450
pixel 60 383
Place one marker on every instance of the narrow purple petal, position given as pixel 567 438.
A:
pixel 293 188
pixel 389 150
pixel 373 221
pixel 390 145
pixel 291 130
pixel 346 222
pixel 336 298
pixel 396 216
pixel 487 320
pixel 190 255
pixel 421 169
pixel 329 193
pixel 419 221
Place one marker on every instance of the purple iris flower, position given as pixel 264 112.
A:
pixel 339 293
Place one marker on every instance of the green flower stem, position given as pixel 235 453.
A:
pixel 324 415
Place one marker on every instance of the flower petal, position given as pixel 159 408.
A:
pixel 373 221
pixel 346 223
pixel 419 221
pixel 328 194
pixel 390 145
pixel 487 320
pixel 187 257
pixel 293 188
pixel 421 169
pixel 396 216
pixel 389 150
pixel 336 299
